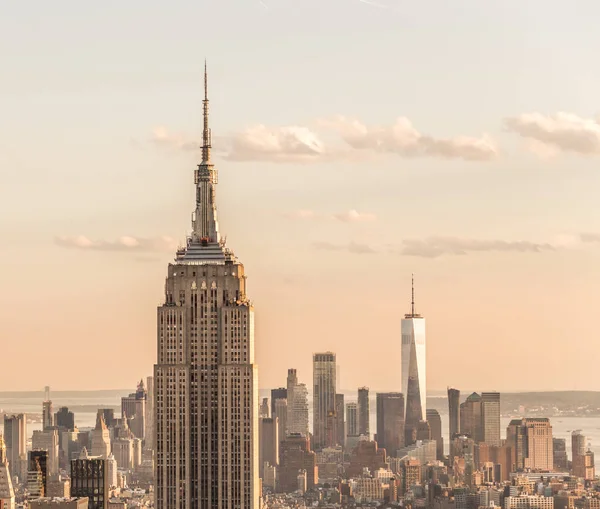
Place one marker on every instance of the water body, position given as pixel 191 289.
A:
pixel 85 405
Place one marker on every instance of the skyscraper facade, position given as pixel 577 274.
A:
pixel 435 425
pixel 490 418
pixel 470 417
pixel 340 420
pixel 279 393
pixel 414 377
pixel 64 419
pixel 390 421
pixel 363 411
pixel 531 442
pixel 297 405
pixel 15 439
pixel 205 380
pixel 454 412
pixel 324 423
pixel 351 419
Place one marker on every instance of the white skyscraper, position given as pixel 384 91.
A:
pixel 205 380
pixel 414 379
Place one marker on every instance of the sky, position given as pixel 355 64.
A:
pixel 357 143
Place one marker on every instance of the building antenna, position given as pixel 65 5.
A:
pixel 413 296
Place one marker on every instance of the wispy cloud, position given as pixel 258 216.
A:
pixel 124 243
pixel 432 247
pixel 163 137
pixel 352 247
pixel 347 216
pixel 561 132
pixel 356 142
pixel 403 139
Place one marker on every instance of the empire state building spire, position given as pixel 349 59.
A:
pixel 205 240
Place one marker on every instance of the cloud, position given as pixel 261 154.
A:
pixel 352 216
pixel 433 247
pixel 279 144
pixel 124 243
pixel 162 136
pixel 299 144
pixel 352 247
pixel 561 132
pixel 348 216
pixel 403 139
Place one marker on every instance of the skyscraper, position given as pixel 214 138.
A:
pixel 279 393
pixel 453 410
pixel 324 424
pixel 15 439
pixel 351 419
pixel 435 424
pixel 205 380
pixel 64 419
pixel 7 492
pixel 470 417
pixel 414 377
pixel 531 442
pixel 490 418
pixel 583 459
pixel 363 412
pixel 297 405
pixel 340 420
pixel 390 421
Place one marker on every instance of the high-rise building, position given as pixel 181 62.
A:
pixel 37 474
pixel 324 425
pixel 414 377
pixel 364 412
pixel 15 439
pixel 454 412
pixel 435 424
pixel 100 437
pixel 205 380
pixel 7 492
pixel 297 405
pixel 470 417
pixel 561 461
pixel 583 459
pixel 490 418
pixel 149 417
pixel 279 393
pixel 351 419
pixel 340 420
pixel 47 415
pixel 281 413
pixel 269 443
pixel 263 409
pixel 64 419
pixel 47 440
pixel 89 478
pixel 296 455
pixel 133 408
pixel 531 442
pixel 390 421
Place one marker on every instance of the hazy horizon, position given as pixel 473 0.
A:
pixel 356 144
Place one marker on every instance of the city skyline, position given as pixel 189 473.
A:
pixel 475 218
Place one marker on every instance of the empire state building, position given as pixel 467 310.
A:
pixel 206 386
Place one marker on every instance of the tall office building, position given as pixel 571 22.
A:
pixel 414 377
pixel 100 437
pixel 15 439
pixel 351 419
pixel 531 443
pixel 582 458
pixel 324 425
pixel 149 417
pixel 453 412
pixel 47 441
pixel 37 474
pixel 279 393
pixel 559 449
pixel 133 408
pixel 297 405
pixel 268 451
pixel 490 418
pixel 281 413
pixel 340 420
pixel 364 412
pixel 205 380
pixel 390 421
pixel 89 478
pixel 7 492
pixel 64 419
pixel 435 425
pixel 470 417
